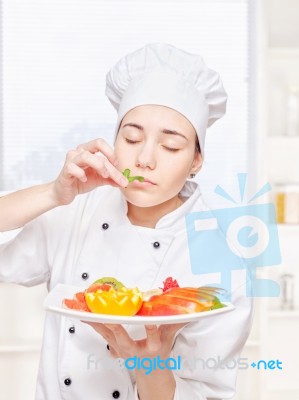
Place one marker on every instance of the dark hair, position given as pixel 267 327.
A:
pixel 197 145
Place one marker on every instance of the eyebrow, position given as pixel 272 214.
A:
pixel 167 131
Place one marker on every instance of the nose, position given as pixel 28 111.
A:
pixel 146 157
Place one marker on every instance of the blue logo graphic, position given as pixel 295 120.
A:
pixel 271 364
pixel 151 364
pixel 241 237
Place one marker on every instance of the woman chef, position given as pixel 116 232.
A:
pixel 135 232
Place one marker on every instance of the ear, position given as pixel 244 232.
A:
pixel 197 162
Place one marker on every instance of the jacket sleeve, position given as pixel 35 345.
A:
pixel 26 258
pixel 210 352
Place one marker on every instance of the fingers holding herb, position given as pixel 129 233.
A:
pixel 88 166
pixel 99 146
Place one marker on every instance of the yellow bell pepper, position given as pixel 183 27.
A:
pixel 123 301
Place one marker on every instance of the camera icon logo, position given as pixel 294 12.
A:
pixel 241 237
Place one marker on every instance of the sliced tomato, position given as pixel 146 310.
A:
pixel 98 286
pixel 186 291
pixel 77 303
pixel 203 294
pixel 155 309
pixel 80 297
pixel 192 305
pixel 179 301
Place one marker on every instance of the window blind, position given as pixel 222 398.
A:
pixel 55 56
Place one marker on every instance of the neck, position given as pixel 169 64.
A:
pixel 149 216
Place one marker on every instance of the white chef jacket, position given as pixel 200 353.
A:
pixel 91 238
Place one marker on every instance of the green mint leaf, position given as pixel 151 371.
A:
pixel 127 172
pixel 138 178
pixel 217 304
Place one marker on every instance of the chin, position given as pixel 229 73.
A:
pixel 142 199
pixel 142 202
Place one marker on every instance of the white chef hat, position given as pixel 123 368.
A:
pixel 162 74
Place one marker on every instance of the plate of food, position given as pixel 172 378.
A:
pixel 107 300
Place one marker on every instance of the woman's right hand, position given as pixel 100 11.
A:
pixel 91 165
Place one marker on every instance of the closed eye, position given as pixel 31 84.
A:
pixel 131 141
pixel 138 141
pixel 170 149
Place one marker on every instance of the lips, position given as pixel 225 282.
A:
pixel 149 181
pixel 146 180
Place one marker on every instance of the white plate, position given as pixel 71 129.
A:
pixel 53 303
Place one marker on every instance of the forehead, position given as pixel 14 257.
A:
pixel 158 116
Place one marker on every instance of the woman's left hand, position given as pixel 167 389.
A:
pixel 158 341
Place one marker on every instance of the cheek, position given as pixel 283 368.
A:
pixel 123 155
pixel 118 145
pixel 178 167
pixel 174 176
pixel 174 185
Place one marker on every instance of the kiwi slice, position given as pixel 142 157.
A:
pixel 110 281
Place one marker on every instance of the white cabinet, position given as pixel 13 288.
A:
pixel 275 332
pixel 22 317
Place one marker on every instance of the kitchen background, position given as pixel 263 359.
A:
pixel 54 59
